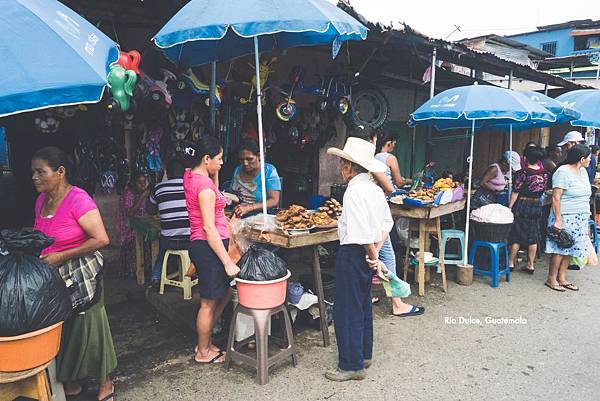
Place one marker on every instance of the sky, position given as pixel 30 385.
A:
pixel 437 19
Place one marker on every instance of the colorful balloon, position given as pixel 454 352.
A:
pixel 121 83
pixel 130 60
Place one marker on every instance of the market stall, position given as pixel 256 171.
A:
pixel 427 219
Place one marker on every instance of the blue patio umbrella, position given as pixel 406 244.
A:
pixel 204 31
pixel 50 56
pixel 587 102
pixel 477 107
pixel 213 30
pixel 564 112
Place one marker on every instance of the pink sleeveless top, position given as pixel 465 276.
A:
pixel 499 181
pixel 193 184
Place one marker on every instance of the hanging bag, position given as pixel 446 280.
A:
pixel 83 277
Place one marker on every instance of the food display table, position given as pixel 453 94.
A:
pixel 428 220
pixel 311 240
pixel 147 229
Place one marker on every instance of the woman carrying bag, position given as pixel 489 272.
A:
pixel 68 214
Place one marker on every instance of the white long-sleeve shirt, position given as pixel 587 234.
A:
pixel 365 215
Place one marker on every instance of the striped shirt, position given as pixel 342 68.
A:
pixel 170 199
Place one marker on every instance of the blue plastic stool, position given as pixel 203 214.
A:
pixel 452 258
pixel 495 250
pixel 594 228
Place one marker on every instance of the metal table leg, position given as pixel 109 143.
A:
pixel 321 295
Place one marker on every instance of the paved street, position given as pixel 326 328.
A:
pixel 550 352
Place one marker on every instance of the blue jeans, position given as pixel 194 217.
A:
pixel 352 307
pixel 388 256
pixel 164 244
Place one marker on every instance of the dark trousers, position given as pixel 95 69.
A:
pixel 164 244
pixel 352 308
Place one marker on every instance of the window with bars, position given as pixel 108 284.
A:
pixel 549 47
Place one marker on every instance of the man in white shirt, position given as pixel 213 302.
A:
pixel 363 227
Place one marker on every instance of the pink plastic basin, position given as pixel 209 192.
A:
pixel 262 294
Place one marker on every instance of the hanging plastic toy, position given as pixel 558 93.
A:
pixel 130 60
pixel 121 83
pixel 286 110
pixel 108 182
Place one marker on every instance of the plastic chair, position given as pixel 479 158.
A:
pixel 262 362
pixel 183 281
pixel 447 235
pixel 495 250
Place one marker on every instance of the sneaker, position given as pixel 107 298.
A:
pixel 339 375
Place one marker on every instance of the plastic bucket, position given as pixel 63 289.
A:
pixel 29 350
pixel 262 294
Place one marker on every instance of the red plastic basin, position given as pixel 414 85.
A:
pixel 262 294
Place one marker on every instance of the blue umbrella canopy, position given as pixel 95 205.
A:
pixel 564 113
pixel 587 102
pixel 209 30
pixel 51 57
pixel 487 106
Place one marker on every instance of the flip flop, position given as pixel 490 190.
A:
pixel 527 270
pixel 375 300
pixel 109 396
pixel 414 311
pixel 570 286
pixel 219 355
pixel 556 287
pixel 84 389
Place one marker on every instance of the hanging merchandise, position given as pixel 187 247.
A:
pixel 264 72
pixel 189 80
pixel 157 90
pixel 130 60
pixel 47 123
pixel 370 108
pixel 153 148
pixel 121 83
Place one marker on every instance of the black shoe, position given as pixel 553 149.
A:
pixel 155 284
pixel 574 267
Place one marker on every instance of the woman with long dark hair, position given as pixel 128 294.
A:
pixel 68 214
pixel 571 192
pixel 209 240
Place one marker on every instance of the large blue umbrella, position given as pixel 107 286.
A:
pixel 216 30
pixel 480 106
pixel 204 31
pixel 564 112
pixel 50 56
pixel 587 102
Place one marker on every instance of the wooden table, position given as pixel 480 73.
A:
pixel 147 229
pixel 428 221
pixel 299 241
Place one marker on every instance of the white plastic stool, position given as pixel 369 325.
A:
pixel 184 282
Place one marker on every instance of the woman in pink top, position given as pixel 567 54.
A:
pixel 70 216
pixel 209 240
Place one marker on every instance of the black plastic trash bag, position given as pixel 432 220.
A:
pixel 261 265
pixel 33 295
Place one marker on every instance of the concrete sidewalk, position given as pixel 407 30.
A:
pixel 549 351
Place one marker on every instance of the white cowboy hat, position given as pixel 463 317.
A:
pixel 360 152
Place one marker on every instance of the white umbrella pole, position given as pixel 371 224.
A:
pixel 469 195
pixel 510 145
pixel 261 146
